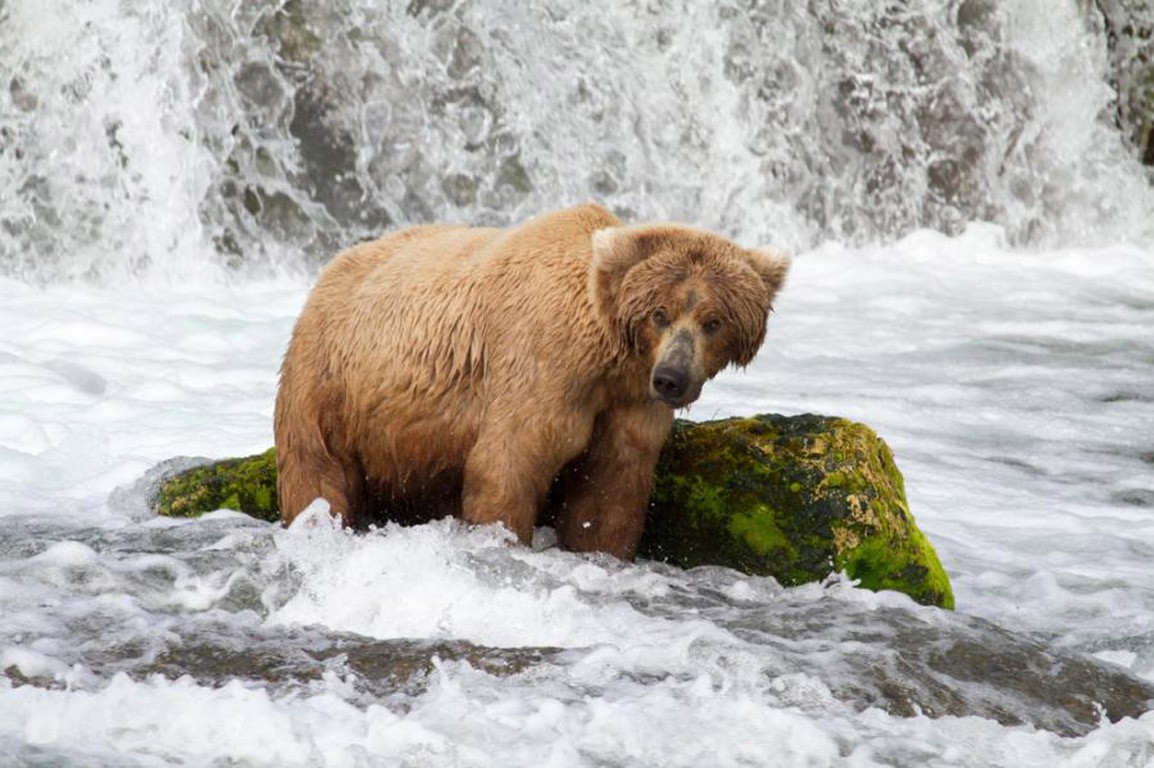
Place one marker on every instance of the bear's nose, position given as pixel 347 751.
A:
pixel 670 383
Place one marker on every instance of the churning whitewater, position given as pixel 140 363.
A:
pixel 973 278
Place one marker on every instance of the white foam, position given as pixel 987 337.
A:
pixel 445 581
pixel 470 719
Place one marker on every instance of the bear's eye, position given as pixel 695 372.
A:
pixel 712 325
pixel 660 318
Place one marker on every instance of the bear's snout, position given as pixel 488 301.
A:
pixel 676 379
pixel 670 383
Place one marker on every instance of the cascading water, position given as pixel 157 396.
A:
pixel 251 132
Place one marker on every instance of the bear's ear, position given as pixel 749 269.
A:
pixel 616 250
pixel 771 266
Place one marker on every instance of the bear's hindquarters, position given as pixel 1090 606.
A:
pixel 308 431
pixel 307 471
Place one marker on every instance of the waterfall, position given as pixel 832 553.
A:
pixel 251 135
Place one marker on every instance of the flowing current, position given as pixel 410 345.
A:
pixel 974 278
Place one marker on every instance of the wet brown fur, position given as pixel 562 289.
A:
pixel 449 370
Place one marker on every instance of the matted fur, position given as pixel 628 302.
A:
pixel 451 370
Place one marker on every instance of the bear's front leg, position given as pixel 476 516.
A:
pixel 604 502
pixel 511 466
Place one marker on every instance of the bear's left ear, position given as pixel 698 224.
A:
pixel 771 266
pixel 616 250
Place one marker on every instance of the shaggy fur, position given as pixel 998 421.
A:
pixel 449 370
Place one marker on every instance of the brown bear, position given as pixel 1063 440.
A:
pixel 452 370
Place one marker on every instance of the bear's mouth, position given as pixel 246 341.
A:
pixel 680 403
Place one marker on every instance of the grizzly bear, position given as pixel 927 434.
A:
pixel 452 370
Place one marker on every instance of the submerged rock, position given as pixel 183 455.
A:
pixel 795 498
pixel 805 646
pixel 909 660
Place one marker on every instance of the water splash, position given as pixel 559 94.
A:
pixel 224 133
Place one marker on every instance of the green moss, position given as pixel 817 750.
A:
pixel 910 566
pixel 247 485
pixel 758 528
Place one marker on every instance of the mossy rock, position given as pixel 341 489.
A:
pixel 796 498
pixel 247 485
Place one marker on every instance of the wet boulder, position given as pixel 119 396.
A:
pixel 793 497
pixel 796 498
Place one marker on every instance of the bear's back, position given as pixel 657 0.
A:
pixel 432 306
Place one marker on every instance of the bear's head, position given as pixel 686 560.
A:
pixel 690 301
